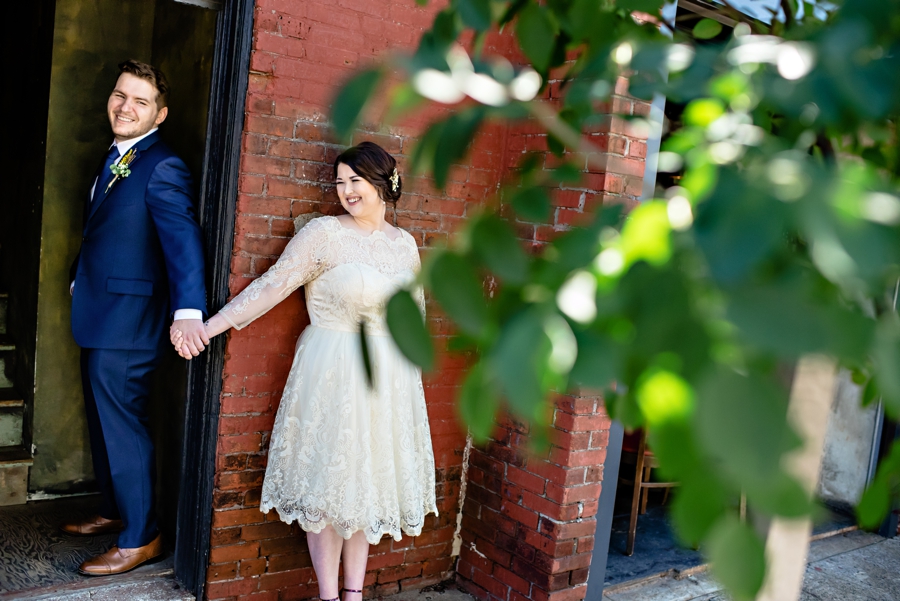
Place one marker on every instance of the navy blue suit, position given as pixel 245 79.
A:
pixel 141 258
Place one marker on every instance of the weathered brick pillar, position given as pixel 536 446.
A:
pixel 528 520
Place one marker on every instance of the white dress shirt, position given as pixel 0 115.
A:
pixel 124 147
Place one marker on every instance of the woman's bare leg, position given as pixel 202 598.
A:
pixel 325 551
pixel 355 555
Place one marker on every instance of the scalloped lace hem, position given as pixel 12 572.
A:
pixel 315 522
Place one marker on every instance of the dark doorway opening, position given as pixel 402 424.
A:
pixel 60 60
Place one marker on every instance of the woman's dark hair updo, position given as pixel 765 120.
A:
pixel 373 163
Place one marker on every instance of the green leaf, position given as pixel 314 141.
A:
pixel 598 360
pixel 624 408
pixel 783 320
pixel 781 495
pixel 730 85
pixel 738 227
pixel 454 141
pixel 887 360
pixel 876 501
pixel 478 402
pixel 703 111
pixel 699 503
pixel 742 422
pixel 567 173
pixel 664 397
pixel 351 100
pixel 707 29
pixel 404 99
pixel 512 9
pixel 458 289
pixel 424 152
pixel 407 327
pixel 737 558
pixel 874 505
pixel 588 19
pixel 366 355
pixel 536 32
pixel 646 235
pixel 576 248
pixel 871 394
pixel 646 6
pixel 496 245
pixel 519 360
pixel 475 13
pixel 532 203
pixel 434 43
pixel 556 146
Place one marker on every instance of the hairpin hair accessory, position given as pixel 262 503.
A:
pixel 395 180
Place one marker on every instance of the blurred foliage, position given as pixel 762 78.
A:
pixel 781 239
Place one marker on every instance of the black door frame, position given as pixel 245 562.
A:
pixel 218 200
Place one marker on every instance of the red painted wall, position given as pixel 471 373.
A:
pixel 302 50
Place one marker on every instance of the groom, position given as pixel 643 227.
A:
pixel 141 258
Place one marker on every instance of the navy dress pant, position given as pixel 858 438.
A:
pixel 116 392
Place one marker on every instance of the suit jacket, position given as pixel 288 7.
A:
pixel 141 254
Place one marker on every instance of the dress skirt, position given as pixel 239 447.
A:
pixel 347 454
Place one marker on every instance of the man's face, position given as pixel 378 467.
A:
pixel 132 109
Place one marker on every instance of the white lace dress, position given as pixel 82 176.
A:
pixel 342 453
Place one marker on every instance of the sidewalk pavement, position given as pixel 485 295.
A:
pixel 856 566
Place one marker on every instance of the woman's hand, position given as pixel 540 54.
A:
pixel 176 337
pixel 209 329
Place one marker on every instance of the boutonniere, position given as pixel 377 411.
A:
pixel 121 169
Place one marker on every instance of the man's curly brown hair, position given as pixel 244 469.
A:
pixel 149 73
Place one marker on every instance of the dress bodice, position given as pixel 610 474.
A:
pixel 349 277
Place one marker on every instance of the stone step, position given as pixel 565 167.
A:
pixel 15 462
pixel 12 418
pixel 4 311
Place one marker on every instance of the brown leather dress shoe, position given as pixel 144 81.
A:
pixel 92 526
pixel 118 561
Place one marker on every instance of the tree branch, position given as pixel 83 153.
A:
pixel 788 14
pixel 741 17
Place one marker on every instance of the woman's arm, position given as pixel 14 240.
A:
pixel 302 260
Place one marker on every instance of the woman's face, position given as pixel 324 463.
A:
pixel 358 196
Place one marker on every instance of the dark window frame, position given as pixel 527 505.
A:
pixel 217 207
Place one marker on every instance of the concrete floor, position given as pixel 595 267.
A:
pixel 133 587
pixel 856 566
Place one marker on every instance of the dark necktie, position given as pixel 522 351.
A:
pixel 105 173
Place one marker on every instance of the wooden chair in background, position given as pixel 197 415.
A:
pixel 635 452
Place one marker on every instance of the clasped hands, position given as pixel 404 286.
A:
pixel 189 337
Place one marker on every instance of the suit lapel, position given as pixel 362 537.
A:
pixel 102 191
pixel 89 201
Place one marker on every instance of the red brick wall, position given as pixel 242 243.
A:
pixel 529 521
pixel 302 49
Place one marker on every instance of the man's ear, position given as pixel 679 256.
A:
pixel 163 113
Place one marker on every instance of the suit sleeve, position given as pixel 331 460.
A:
pixel 171 204
pixel 73 269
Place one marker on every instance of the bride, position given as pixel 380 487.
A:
pixel 348 462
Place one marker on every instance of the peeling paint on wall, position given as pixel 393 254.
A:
pixel 457 537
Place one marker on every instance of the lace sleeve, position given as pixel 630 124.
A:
pixel 302 261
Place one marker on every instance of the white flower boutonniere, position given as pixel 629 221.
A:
pixel 121 169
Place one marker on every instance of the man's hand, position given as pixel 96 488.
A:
pixel 189 337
